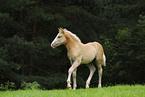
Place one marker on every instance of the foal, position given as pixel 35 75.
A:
pixel 79 53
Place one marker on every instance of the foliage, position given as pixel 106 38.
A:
pixel 128 54
pixel 7 86
pixel 47 82
pixel 33 85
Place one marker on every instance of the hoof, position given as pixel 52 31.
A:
pixel 69 88
pixel 87 87
pixel 99 86
pixel 74 88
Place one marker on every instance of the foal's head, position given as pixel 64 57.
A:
pixel 59 39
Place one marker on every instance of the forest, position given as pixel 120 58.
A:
pixel 27 28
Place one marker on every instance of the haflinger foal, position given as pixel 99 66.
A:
pixel 79 53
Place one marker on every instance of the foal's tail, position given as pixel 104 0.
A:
pixel 104 60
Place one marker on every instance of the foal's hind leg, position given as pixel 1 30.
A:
pixel 92 70
pixel 100 74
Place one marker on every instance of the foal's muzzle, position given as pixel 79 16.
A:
pixel 53 45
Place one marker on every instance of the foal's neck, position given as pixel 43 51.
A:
pixel 71 44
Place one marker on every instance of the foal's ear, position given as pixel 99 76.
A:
pixel 60 29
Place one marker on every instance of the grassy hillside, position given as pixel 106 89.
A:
pixel 114 91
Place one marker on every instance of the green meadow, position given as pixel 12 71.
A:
pixel 112 91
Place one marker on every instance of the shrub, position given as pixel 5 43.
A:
pixel 33 85
pixel 8 86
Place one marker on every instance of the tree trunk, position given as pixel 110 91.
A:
pixel 33 37
pixel 22 64
pixel 22 52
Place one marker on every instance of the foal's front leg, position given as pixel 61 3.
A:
pixel 71 69
pixel 74 79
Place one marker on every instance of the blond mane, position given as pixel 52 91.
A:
pixel 72 35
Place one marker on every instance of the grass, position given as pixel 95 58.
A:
pixel 113 91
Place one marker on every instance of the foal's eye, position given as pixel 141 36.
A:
pixel 59 36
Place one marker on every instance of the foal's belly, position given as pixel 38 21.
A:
pixel 87 58
pixel 88 54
